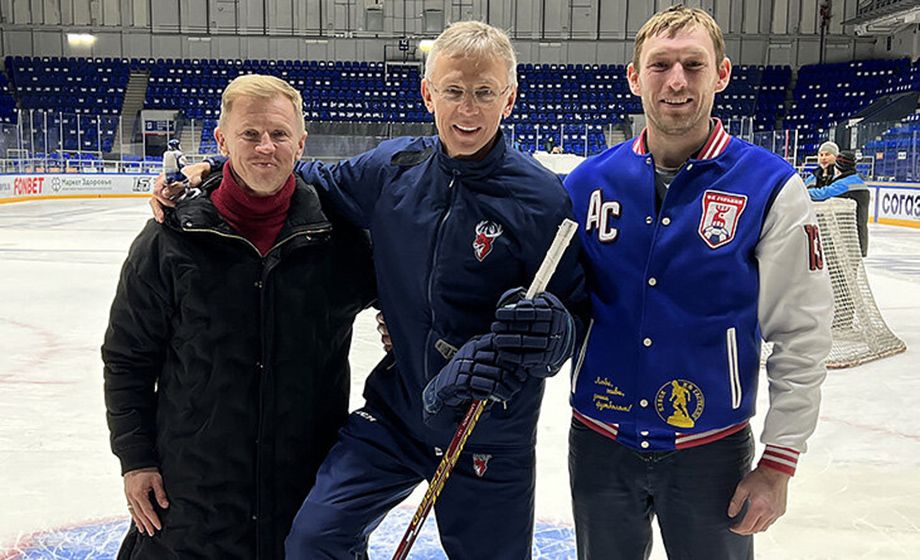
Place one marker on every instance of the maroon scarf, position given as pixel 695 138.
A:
pixel 257 218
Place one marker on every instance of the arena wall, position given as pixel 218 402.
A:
pixel 544 31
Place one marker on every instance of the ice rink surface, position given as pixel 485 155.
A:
pixel 856 494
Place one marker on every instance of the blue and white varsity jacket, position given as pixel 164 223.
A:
pixel 681 298
pixel 449 237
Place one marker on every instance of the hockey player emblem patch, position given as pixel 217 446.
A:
pixel 680 403
pixel 486 233
pixel 480 463
pixel 721 212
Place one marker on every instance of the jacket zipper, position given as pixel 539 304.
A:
pixel 434 260
pixel 308 233
pixel 257 516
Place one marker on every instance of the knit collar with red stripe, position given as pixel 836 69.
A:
pixel 714 146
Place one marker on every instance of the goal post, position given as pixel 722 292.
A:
pixel 859 332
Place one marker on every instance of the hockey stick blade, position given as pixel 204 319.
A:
pixel 541 279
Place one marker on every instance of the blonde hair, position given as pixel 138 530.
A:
pixel 262 87
pixel 674 19
pixel 473 39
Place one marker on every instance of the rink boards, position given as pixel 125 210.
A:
pixel 891 203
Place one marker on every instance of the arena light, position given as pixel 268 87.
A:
pixel 425 45
pixel 81 39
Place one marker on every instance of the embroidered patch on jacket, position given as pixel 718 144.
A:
pixel 487 232
pixel 815 252
pixel 679 403
pixel 480 463
pixel 721 212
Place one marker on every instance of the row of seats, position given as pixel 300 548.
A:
pixel 189 86
pixel 895 151
pixel 91 87
pixel 7 101
pixel 826 94
pixel 549 94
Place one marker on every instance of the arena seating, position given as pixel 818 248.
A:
pixel 754 92
pixel 895 151
pixel 75 102
pixel 826 94
pixel 7 101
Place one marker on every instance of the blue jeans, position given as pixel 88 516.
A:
pixel 616 491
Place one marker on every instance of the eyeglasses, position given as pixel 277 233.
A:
pixel 482 96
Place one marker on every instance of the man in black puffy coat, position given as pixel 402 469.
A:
pixel 226 355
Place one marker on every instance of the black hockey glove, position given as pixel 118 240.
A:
pixel 474 373
pixel 538 334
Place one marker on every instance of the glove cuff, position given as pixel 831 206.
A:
pixel 431 402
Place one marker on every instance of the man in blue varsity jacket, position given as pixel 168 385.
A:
pixel 458 221
pixel 696 244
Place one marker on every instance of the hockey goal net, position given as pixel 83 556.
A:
pixel 859 333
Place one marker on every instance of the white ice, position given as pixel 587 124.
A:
pixel 856 494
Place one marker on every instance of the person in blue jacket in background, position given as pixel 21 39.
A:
pixel 459 222
pixel 823 175
pixel 848 184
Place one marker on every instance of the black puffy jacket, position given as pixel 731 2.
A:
pixel 229 371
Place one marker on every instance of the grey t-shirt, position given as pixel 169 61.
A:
pixel 663 178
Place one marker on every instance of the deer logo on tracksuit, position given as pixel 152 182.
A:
pixel 486 232
pixel 480 463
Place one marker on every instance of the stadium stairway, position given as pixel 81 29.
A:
pixel 135 93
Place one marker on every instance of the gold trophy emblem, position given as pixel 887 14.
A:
pixel 679 403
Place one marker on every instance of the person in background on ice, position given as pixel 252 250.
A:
pixel 695 244
pixel 823 175
pixel 459 221
pixel 226 356
pixel 173 162
pixel 848 184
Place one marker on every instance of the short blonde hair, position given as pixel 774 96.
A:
pixel 474 39
pixel 259 86
pixel 674 19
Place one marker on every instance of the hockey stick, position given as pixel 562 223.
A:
pixel 541 279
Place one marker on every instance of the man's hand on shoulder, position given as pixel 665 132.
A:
pixel 164 194
pixel 764 489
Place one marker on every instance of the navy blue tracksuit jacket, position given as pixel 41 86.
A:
pixel 450 236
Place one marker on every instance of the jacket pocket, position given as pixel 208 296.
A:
pixel 731 344
pixel 581 356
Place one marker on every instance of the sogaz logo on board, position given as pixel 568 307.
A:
pixel 901 203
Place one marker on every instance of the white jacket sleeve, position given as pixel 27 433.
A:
pixel 795 310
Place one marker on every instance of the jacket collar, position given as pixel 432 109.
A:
pixel 198 212
pixel 712 148
pixel 472 169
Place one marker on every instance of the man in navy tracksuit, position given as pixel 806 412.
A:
pixel 457 220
